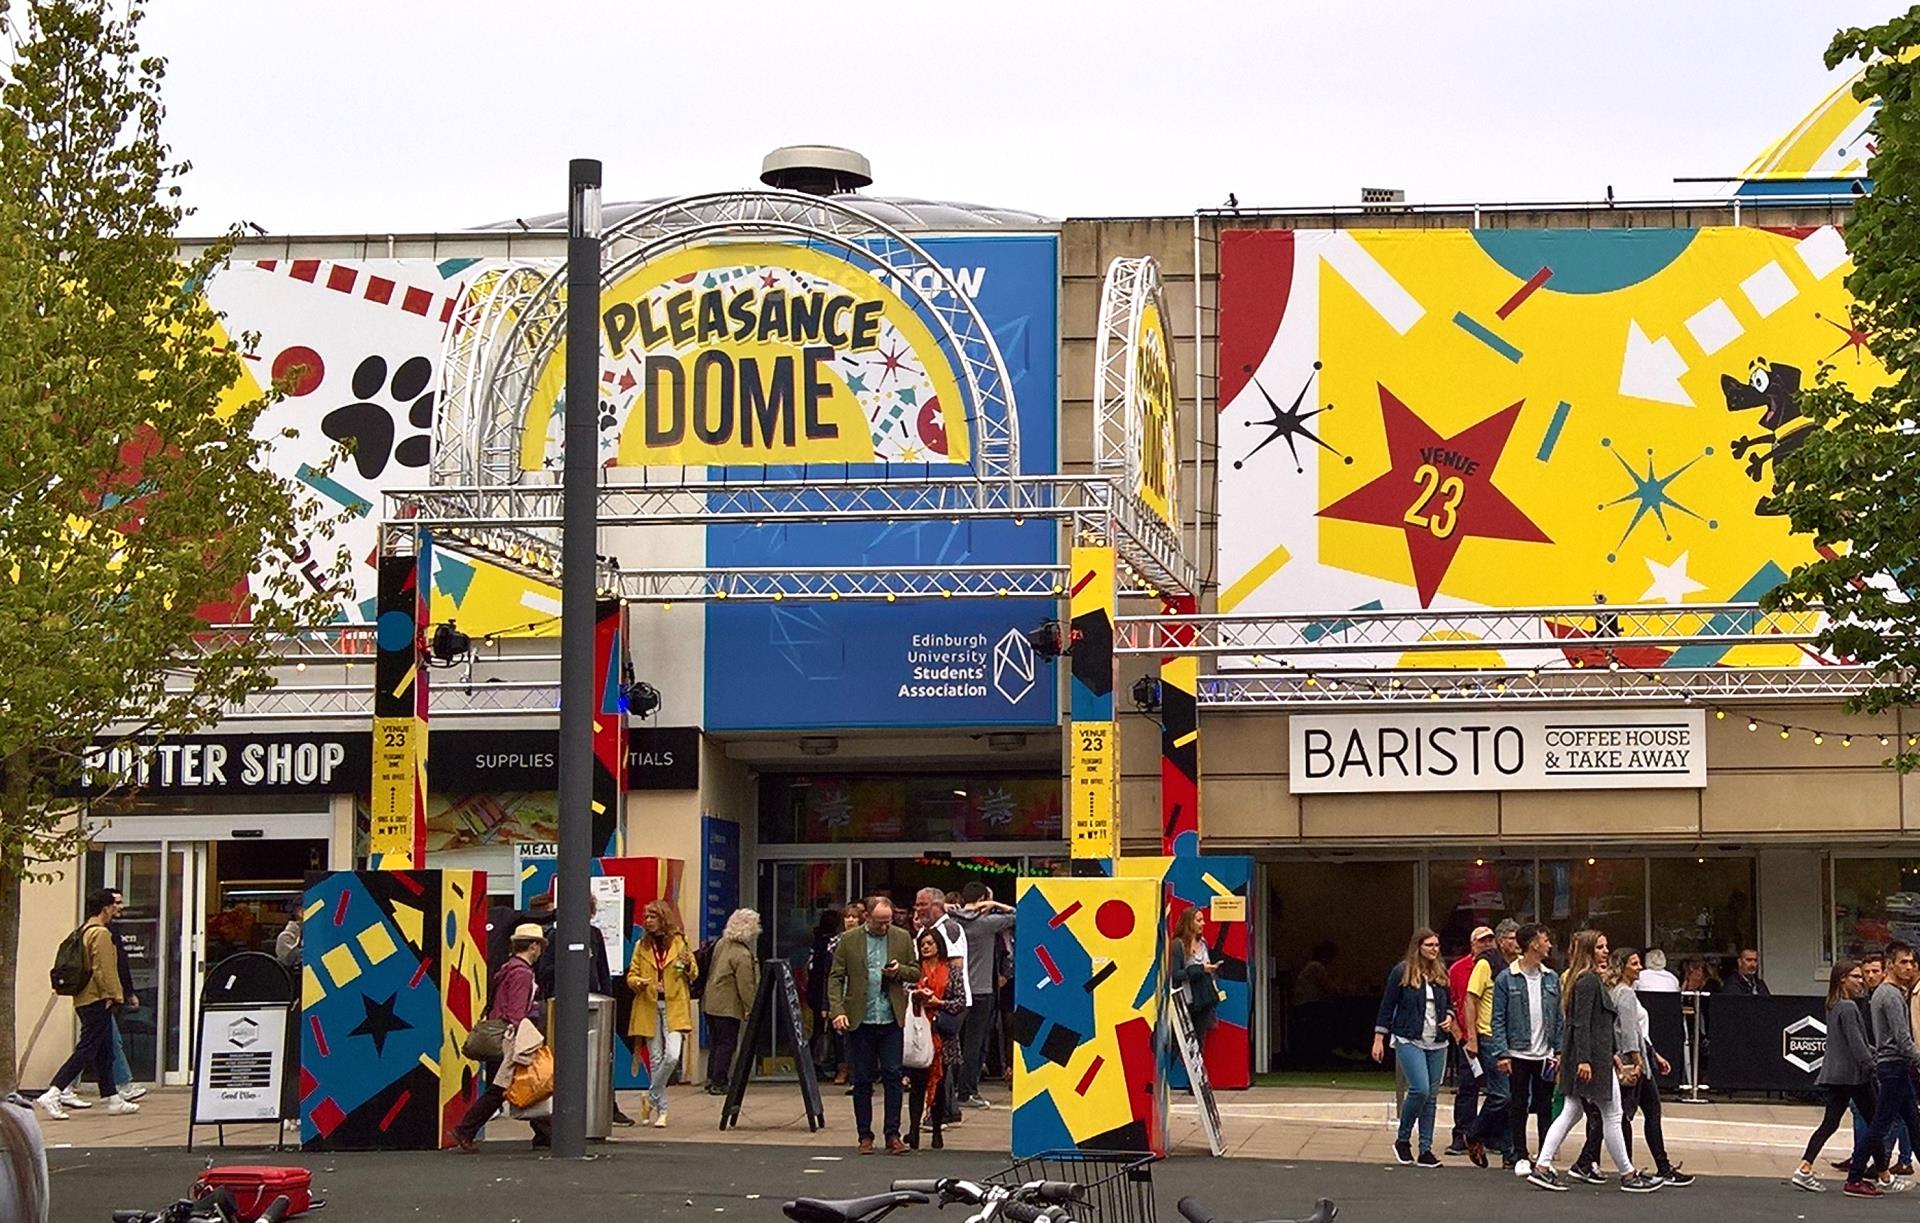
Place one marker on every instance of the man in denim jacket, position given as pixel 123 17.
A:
pixel 1525 1038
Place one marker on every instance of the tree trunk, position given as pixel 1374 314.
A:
pixel 9 965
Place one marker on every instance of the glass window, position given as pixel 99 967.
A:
pixel 839 808
pixel 1608 894
pixel 1336 929
pixel 1875 900
pixel 1475 892
pixel 1702 909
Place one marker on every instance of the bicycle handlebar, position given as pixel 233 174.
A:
pixel 1027 1212
pixel 929 1187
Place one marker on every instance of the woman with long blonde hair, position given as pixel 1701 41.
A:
pixel 1193 968
pixel 1589 1063
pixel 1416 1015
pixel 661 974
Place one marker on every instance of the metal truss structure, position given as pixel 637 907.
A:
pixel 1583 686
pixel 1131 286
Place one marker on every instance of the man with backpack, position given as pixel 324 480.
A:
pixel 87 969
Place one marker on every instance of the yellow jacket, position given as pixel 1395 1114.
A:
pixel 105 961
pixel 643 980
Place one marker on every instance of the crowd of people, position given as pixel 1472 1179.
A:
pixel 1868 1070
pixel 1520 1034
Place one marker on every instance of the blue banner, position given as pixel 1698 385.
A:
pixel 960 662
pixel 719 874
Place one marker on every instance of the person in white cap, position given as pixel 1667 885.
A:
pixel 516 1002
pixel 1466 1094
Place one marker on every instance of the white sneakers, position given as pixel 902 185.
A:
pixel 132 1093
pixel 55 1102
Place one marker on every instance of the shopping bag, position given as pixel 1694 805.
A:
pixel 532 1082
pixel 487 1041
pixel 916 1050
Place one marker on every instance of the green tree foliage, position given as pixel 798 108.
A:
pixel 130 503
pixel 1854 485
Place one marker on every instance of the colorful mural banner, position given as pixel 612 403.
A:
pixel 759 354
pixel 609 724
pixel 1180 743
pixel 1517 418
pixel 1088 987
pixel 397 827
pixel 395 976
pixel 1093 744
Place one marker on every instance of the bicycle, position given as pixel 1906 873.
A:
pixel 1324 1211
pixel 1032 1202
pixel 216 1207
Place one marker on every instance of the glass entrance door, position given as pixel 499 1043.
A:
pixel 162 928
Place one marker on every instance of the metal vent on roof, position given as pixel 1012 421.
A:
pixel 816 169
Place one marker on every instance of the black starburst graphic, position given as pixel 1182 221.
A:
pixel 381 1022
pixel 1289 423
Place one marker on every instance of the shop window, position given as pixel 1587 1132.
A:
pixel 1702 909
pixel 1335 928
pixel 1875 900
pixel 1476 892
pixel 1606 894
pixel 951 809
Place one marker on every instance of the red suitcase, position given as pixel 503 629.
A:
pixel 255 1186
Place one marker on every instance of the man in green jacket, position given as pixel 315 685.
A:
pixel 867 998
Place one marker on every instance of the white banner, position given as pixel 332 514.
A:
pixel 1584 749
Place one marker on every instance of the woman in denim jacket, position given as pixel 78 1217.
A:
pixel 1417 1016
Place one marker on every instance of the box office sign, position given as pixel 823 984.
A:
pixel 458 761
pixel 1497 750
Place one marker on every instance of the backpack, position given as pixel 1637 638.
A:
pixel 72 966
pixel 703 961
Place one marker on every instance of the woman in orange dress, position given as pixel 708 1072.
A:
pixel 939 993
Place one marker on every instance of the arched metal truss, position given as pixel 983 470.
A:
pixel 483 323
pixel 1131 285
pixel 505 384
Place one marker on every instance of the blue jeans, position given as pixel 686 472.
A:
pixel 1895 1104
pixel 875 1049
pixel 122 1071
pixel 1490 1128
pixel 1423 1068
pixel 663 1058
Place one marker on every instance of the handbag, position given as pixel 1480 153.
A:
pixel 916 1048
pixel 487 1040
pixel 947 1023
pixel 1630 1073
pixel 532 1082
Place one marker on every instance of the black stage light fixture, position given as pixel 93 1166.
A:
pixel 1146 694
pixel 1052 639
pixel 449 644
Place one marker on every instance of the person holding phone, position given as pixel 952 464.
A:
pixel 867 1001
pixel 661 974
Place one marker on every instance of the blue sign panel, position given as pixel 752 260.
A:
pixel 719 874
pixel 958 662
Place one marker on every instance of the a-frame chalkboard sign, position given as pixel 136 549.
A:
pixel 774 975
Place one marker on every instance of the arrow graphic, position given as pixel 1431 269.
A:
pixel 1651 369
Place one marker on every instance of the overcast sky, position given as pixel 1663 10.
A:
pixel 355 116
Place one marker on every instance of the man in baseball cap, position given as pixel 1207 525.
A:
pixel 1466 1096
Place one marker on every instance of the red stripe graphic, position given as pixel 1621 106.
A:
pixel 340 909
pixel 319 1035
pixel 1086 1080
pixel 395 1110
pixel 1525 291
pixel 421 971
pixel 1046 962
pixel 1060 919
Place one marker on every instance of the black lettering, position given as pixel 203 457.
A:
pixel 805 311
pixel 768 406
pixel 680 318
pixel 1319 751
pixel 1509 737
pixel 652 334
pixel 773 316
pixel 817 389
pixel 619 320
pixel 740 310
pixel 713 317
pixel 1474 733
pixel 834 325
pixel 866 325
pixel 1397 753
pixel 711 425
pixel 1356 754
pixel 674 427
pixel 1433 741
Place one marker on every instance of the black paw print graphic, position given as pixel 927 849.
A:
pixel 370 426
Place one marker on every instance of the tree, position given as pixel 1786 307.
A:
pixel 133 496
pixel 1854 484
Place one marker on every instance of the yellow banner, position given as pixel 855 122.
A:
pixel 398 747
pixel 1152 396
pixel 757 354
pixel 1095 827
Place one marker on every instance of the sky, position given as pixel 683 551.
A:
pixel 396 116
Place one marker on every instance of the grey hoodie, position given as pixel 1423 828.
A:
pixel 1892 1026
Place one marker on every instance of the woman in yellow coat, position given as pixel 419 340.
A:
pixel 660 974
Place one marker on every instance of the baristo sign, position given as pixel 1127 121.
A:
pixel 1497 750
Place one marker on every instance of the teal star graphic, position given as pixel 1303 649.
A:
pixel 856 384
pixel 907 395
pixel 1650 496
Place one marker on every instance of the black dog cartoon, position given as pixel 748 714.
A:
pixel 1775 388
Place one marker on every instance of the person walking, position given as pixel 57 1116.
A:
pixel 1417 1016
pixel 940 996
pixel 1522 1039
pixel 1589 1067
pixel 1193 968
pixel 1846 1068
pixel 661 974
pixel 1491 1127
pixel 852 917
pixel 1639 1092
pixel 122 1068
pixel 1466 1076
pixel 867 999
pixel 1872 973
pixel 733 980
pixel 984 920
pixel 516 1002
pixel 1894 1059
pixel 93 1006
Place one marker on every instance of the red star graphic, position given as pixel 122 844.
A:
pixel 768 280
pixel 1438 490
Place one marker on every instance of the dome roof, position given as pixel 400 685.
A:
pixel 901 212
